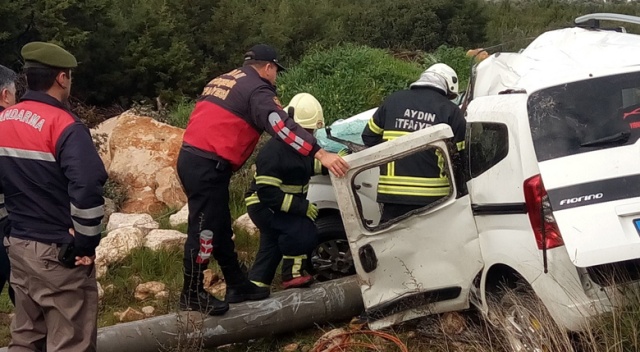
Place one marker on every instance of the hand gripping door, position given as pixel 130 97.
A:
pixel 423 262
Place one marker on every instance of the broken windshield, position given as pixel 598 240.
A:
pixel 587 115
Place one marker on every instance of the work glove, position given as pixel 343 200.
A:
pixel 312 211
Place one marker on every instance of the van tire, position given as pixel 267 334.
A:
pixel 331 258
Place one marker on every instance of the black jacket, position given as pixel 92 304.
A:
pixel 419 178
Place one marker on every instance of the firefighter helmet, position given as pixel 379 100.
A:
pixel 307 111
pixel 444 72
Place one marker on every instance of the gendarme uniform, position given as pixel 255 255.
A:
pixel 52 179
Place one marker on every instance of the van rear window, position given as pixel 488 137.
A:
pixel 584 116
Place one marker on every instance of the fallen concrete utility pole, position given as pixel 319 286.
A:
pixel 284 311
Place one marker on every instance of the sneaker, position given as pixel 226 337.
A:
pixel 301 281
pixel 247 291
pixel 203 302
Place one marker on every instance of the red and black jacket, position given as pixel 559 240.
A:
pixel 232 112
pixel 50 173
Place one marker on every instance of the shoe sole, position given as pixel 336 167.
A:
pixel 214 311
pixel 252 297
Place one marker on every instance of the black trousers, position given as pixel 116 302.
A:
pixel 5 271
pixel 206 184
pixel 281 235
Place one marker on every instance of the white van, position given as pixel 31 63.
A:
pixel 548 195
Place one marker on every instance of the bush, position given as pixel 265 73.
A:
pixel 347 79
pixel 456 58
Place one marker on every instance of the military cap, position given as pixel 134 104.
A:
pixel 41 54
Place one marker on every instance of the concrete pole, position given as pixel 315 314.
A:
pixel 284 311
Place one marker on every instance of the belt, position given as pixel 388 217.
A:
pixel 222 164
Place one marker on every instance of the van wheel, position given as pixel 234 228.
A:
pixel 526 323
pixel 331 258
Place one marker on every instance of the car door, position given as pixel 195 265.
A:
pixel 422 262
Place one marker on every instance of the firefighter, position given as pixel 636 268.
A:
pixel 278 206
pixel 419 179
pixel 7 99
pixel 223 130
pixel 53 180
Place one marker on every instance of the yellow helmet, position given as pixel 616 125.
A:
pixel 307 111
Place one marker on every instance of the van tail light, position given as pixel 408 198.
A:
pixel 541 216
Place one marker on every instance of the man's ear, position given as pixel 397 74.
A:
pixel 60 79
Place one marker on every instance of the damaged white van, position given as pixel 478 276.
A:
pixel 548 195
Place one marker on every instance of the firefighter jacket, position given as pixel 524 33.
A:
pixel 50 173
pixel 232 112
pixel 282 178
pixel 418 178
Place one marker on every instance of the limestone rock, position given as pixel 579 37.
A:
pixel 143 157
pixel 148 289
pixel 162 295
pixel 116 246
pixel 143 222
pixel 292 347
pixel 100 291
pixel 148 311
pixel 164 239
pixel 245 223
pixel 218 289
pixel 181 217
pixel 101 135
pixel 129 315
pixel 210 278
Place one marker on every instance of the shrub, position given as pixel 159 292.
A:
pixel 347 79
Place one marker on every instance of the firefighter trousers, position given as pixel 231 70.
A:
pixel 283 236
pixel 206 185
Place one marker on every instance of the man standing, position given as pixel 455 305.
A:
pixel 223 130
pixel 52 179
pixel 419 179
pixel 7 99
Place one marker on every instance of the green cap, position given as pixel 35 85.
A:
pixel 39 54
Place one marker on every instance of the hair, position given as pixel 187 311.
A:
pixel 40 79
pixel 256 63
pixel 7 77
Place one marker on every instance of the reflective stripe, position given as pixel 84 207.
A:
pixel 440 163
pixel 303 147
pixel 268 180
pixel 3 213
pixel 259 284
pixel 294 189
pixel 1 198
pixel 317 166
pixel 27 154
pixel 87 230
pixel 390 135
pixel 414 191
pixel 90 213
pixel 460 145
pixel 252 199
pixel 297 264
pixel 415 181
pixel 391 168
pixel 286 202
pixel 374 128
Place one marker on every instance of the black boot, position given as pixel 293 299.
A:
pixel 194 297
pixel 246 291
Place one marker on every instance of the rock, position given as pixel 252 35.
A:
pixel 306 348
pixel 109 208
pixel 101 135
pixel 151 288
pixel 148 311
pixel 217 289
pixel 331 340
pixel 100 291
pixel 164 239
pixel 143 222
pixel 116 246
pixel 292 347
pixel 210 278
pixel 129 315
pixel 453 323
pixel 181 217
pixel 244 223
pixel 143 157
pixel 162 295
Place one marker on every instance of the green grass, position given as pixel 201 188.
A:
pixel 5 308
pixel 180 112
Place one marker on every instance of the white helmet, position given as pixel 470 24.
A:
pixel 307 111
pixel 443 72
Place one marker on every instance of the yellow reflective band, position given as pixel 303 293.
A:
pixel 389 135
pixel 252 199
pixel 391 168
pixel 297 264
pixel 414 191
pixel 317 167
pixel 460 145
pixel 259 284
pixel 294 189
pixel 286 202
pixel 268 180
pixel 343 152
pixel 440 163
pixel 374 128
pixel 414 181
